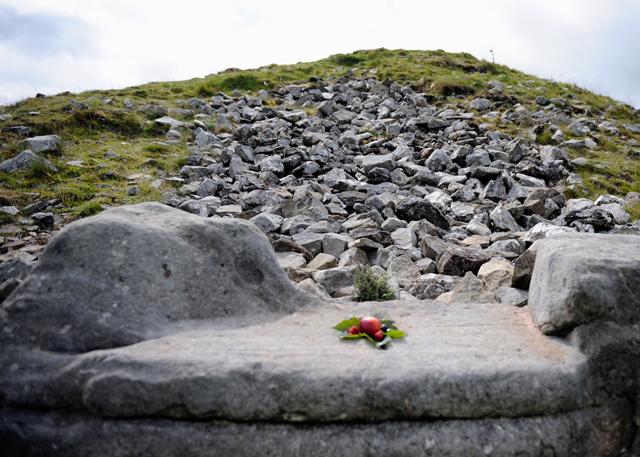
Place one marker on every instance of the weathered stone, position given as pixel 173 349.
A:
pixel 512 296
pixel 523 267
pixel 290 260
pixel 502 219
pixel 403 270
pixel 439 160
pixel 333 279
pixel 267 222
pixel 14 268
pixel 309 207
pixel 415 209
pixel 432 246
pixel 144 282
pixel 24 160
pixel 457 261
pixel 371 161
pixel 578 279
pixel 353 256
pixel 469 290
pixel 322 261
pixel 43 220
pixel 480 104
pixel 496 273
pixel 41 144
pixel 404 238
pixel 310 241
pixel 335 244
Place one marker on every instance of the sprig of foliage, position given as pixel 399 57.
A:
pixel 370 286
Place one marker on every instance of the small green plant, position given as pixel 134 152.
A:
pixel 39 170
pixel 156 148
pixel 634 211
pixel 89 209
pixel 545 138
pixel 370 286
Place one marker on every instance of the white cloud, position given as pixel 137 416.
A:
pixel 132 42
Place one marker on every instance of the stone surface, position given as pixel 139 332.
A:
pixel 496 273
pixel 40 144
pixel 157 267
pixel 458 260
pixel 578 279
pixel 25 160
pixel 293 368
pixel 569 435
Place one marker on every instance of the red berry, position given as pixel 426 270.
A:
pixel 370 325
pixel 379 335
pixel 353 330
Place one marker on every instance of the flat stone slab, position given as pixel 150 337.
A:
pixel 576 434
pixel 458 361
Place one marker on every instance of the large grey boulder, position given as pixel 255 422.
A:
pixel 578 279
pixel 40 144
pixel 131 273
pixel 23 161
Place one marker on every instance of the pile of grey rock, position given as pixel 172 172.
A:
pixel 359 172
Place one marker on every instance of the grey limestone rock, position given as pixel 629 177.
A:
pixel 42 144
pixel 157 266
pixel 581 278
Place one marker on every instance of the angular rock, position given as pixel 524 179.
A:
pixel 371 161
pixel 403 271
pixel 322 261
pixel 24 160
pixel 415 209
pixel 290 260
pixel 267 222
pixel 334 279
pixel 579 279
pixel 496 273
pixel 353 256
pixel 456 261
pixel 43 220
pixel 335 244
pixel 41 144
pixel 512 296
pixel 439 160
pixel 469 290
pixel 502 219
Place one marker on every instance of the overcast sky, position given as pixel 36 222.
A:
pixel 54 45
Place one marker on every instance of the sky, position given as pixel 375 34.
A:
pixel 51 46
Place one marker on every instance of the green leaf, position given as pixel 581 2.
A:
pixel 347 336
pixel 347 324
pixel 371 340
pixel 396 334
pixel 389 323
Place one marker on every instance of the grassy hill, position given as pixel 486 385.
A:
pixel 106 145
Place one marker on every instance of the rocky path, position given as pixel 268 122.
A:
pixel 372 174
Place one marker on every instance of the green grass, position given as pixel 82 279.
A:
pixel 447 78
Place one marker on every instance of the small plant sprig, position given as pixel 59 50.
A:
pixel 378 332
pixel 370 286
